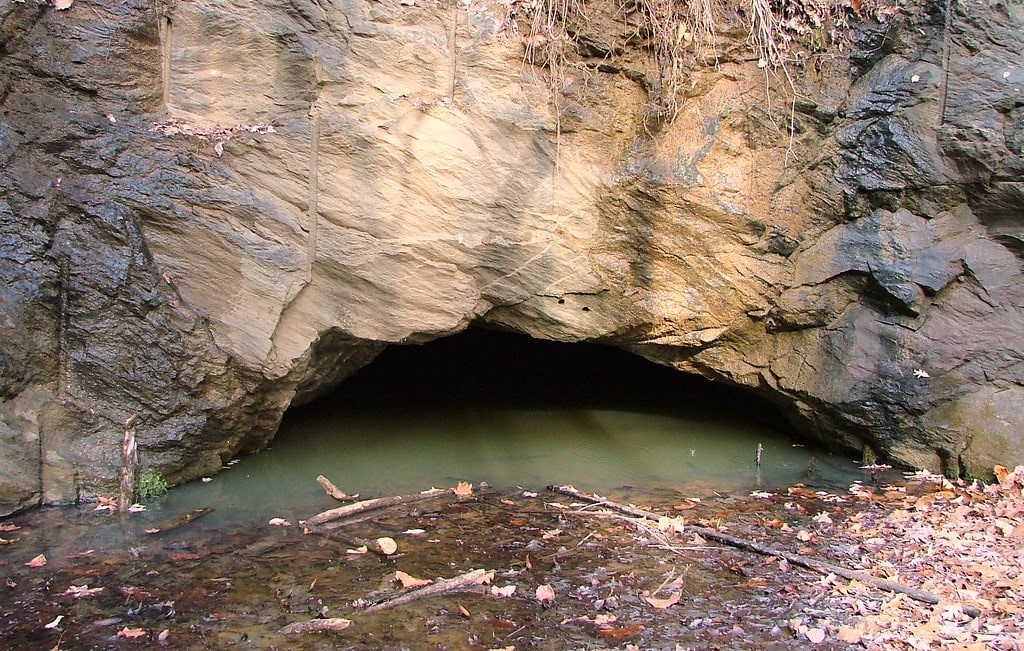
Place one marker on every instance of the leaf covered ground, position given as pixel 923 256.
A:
pixel 555 574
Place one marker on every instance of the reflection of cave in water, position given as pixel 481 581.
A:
pixel 511 411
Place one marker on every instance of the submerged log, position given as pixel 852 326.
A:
pixel 180 521
pixel 470 581
pixel 370 505
pixel 328 625
pixel 820 566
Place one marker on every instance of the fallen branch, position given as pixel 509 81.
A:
pixel 180 521
pixel 334 491
pixel 461 583
pixel 370 505
pixel 329 625
pixel 819 566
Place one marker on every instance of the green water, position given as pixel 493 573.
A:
pixel 513 412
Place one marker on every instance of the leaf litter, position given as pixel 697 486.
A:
pixel 602 581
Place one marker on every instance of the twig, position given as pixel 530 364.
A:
pixel 370 505
pixel 333 490
pixel 462 582
pixel 819 566
pixel 329 625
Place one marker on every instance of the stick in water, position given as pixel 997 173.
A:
pixel 129 465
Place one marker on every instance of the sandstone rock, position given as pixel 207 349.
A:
pixel 220 209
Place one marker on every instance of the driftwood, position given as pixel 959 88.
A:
pixel 181 521
pixel 370 505
pixel 334 491
pixel 819 566
pixel 462 583
pixel 329 625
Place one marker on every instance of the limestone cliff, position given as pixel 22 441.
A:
pixel 212 210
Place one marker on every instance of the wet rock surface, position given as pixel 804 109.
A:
pixel 210 211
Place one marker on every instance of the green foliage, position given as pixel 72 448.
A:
pixel 151 486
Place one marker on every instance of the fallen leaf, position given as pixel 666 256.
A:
pixel 815 635
pixel 206 480
pixel 503 592
pixel 387 546
pixel 619 633
pixel 79 591
pixel 529 565
pixel 61 5
pixel 55 623
pixel 38 561
pixel 529 494
pixel 163 635
pixel 358 550
pixel 463 490
pixel 152 530
pixel 848 634
pixel 414 532
pixel 8 527
pixel 548 535
pixel 131 632
pixel 279 522
pixel 803 535
pixel 671 600
pixel 464 612
pixel 408 581
pixel 545 594
pixel 822 518
pixel 136 508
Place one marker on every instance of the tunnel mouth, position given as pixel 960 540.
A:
pixel 501 407
pixel 482 366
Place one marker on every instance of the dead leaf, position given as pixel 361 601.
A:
pixel 387 546
pixel 55 623
pixel 38 561
pixel 803 535
pixel 162 638
pixel 464 612
pixel 548 535
pixel 8 527
pixel 619 633
pixel 408 581
pixel 358 550
pixel 529 565
pixel 848 634
pixel 503 592
pixel 279 522
pixel 463 490
pixel 62 5
pixel 79 591
pixel 545 594
pixel 671 600
pixel 815 635
pixel 131 633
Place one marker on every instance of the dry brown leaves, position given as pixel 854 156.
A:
pixel 962 542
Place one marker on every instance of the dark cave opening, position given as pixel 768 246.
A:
pixel 500 369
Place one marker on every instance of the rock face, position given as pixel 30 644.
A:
pixel 213 210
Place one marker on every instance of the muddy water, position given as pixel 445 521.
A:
pixel 637 433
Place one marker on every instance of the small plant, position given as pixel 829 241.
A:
pixel 152 485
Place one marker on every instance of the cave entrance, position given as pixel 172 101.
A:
pixel 513 411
